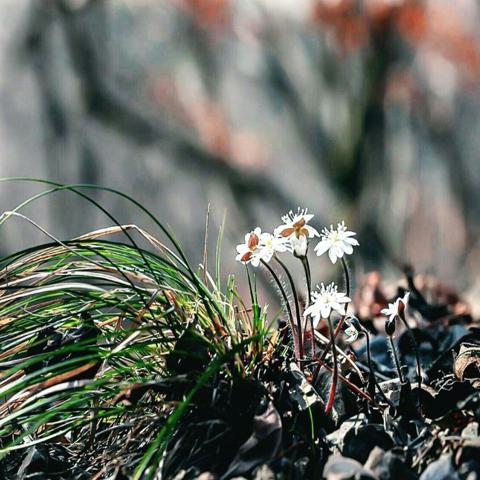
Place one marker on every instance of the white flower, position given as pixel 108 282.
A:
pixel 270 244
pixel 337 241
pixel 246 250
pixel 297 230
pixel 326 299
pixel 396 308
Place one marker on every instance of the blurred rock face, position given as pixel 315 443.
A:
pixel 363 111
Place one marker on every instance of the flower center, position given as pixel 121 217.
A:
pixel 298 228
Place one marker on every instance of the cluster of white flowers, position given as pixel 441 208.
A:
pixel 293 236
pixel 260 246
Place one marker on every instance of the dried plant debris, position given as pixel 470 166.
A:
pixel 467 363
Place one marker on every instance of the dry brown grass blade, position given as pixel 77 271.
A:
pixel 13 351
pixel 15 402
pixel 102 232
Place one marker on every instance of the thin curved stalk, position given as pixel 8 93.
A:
pixel 308 278
pixel 340 323
pixel 347 276
pixel 347 288
pixel 397 361
pixel 415 348
pixel 333 387
pixel 297 305
pixel 287 303
pixel 370 367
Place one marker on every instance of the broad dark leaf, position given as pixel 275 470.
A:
pixel 262 446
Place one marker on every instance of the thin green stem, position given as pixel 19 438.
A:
pixel 297 305
pixel 312 427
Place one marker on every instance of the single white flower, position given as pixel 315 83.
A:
pixel 269 245
pixel 247 250
pixel 326 299
pixel 396 308
pixel 337 241
pixel 297 230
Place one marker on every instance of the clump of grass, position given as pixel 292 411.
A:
pixel 91 333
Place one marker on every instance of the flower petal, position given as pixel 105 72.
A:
pixel 338 307
pixel 405 298
pixel 244 257
pixel 278 230
pixel 351 241
pixel 332 255
pixel 253 241
pixel 299 223
pixel 338 250
pixel 267 254
pixel 287 232
pixel 325 310
pixel 311 231
pixel 315 320
pixel 241 248
pixel 255 260
pixel 322 247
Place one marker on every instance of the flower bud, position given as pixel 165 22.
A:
pixel 390 327
pixel 299 245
